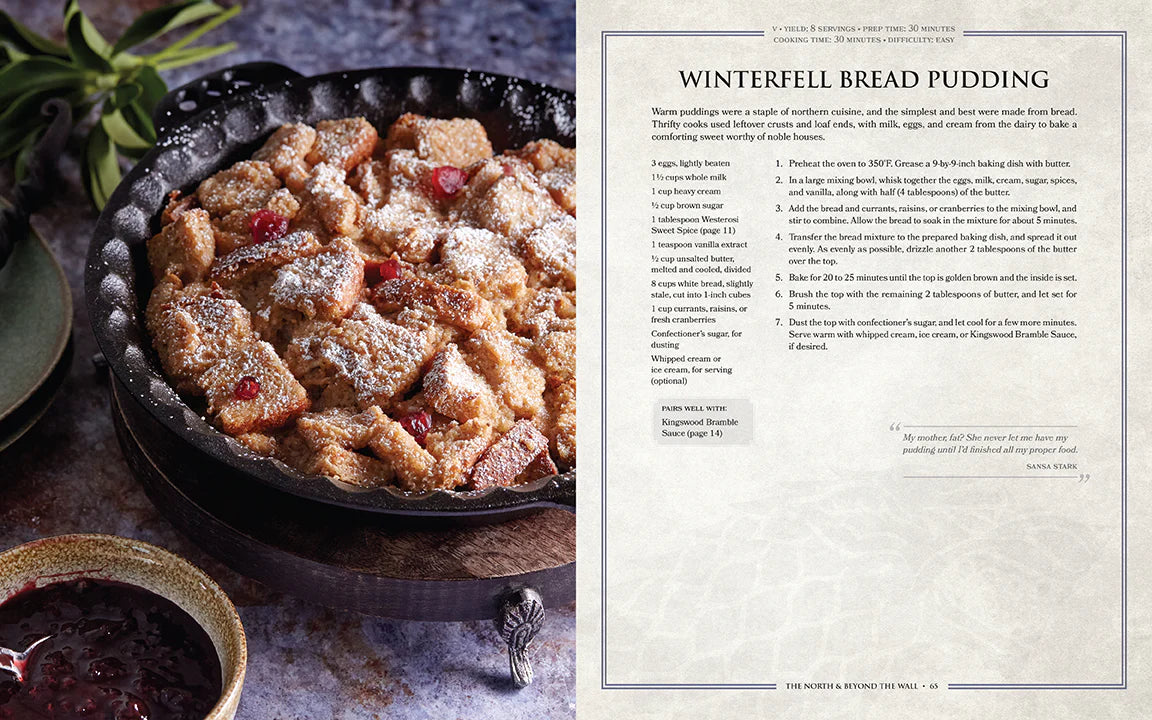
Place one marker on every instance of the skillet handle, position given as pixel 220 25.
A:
pixel 202 93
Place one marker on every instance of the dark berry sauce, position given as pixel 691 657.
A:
pixel 118 652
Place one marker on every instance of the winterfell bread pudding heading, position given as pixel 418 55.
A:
pixel 380 310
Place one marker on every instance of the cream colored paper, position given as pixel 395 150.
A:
pixel 818 552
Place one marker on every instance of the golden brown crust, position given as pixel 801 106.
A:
pixel 351 467
pixel 455 306
pixel 285 152
pixel 279 398
pixel 247 185
pixel 185 247
pixel 458 142
pixel 376 360
pixel 244 261
pixel 509 456
pixel 505 198
pixel 344 143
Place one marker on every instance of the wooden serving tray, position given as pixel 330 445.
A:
pixel 418 569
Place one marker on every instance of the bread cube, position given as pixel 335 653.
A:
pixel 543 310
pixel 324 286
pixel 550 253
pixel 285 152
pixel 459 142
pixel 342 143
pixel 412 464
pixel 333 201
pixel 504 360
pixel 508 457
pixel 456 449
pixel 455 390
pixel 351 467
pixel 455 306
pixel 184 248
pixel 193 327
pixel 555 168
pixel 279 397
pixel 376 360
pixel 406 181
pixel 392 230
pixel 485 260
pixel 234 230
pixel 556 353
pixel 246 185
pixel 370 181
pixel 561 402
pixel 505 198
pixel 243 262
pixel 341 427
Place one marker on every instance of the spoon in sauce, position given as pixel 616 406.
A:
pixel 15 662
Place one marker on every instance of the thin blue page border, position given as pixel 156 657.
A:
pixel 604 684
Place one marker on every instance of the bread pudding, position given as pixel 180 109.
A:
pixel 381 310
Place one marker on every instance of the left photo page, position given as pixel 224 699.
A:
pixel 287 359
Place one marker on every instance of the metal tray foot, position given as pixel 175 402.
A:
pixel 521 617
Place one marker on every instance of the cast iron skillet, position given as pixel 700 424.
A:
pixel 224 117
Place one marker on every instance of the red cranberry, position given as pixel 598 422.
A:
pixel 247 388
pixel 446 181
pixel 375 272
pixel 417 424
pixel 508 169
pixel 267 225
pixel 390 269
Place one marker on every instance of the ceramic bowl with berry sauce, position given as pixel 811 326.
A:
pixel 133 631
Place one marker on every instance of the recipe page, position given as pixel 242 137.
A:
pixel 869 371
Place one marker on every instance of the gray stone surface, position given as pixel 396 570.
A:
pixel 67 474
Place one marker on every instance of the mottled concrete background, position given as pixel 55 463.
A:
pixel 67 474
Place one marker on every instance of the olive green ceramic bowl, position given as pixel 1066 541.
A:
pixel 107 557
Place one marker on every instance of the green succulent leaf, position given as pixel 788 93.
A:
pixel 86 45
pixel 140 121
pixel 11 54
pixel 25 41
pixel 101 167
pixel 89 72
pixel 121 132
pixel 153 87
pixel 193 55
pixel 42 72
pixel 163 19
pixel 124 94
